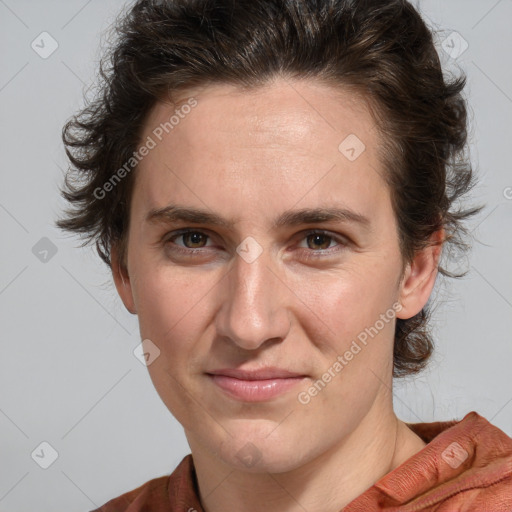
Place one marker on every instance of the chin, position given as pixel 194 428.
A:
pixel 260 453
pixel 253 459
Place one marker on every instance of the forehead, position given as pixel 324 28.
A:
pixel 282 141
pixel 282 112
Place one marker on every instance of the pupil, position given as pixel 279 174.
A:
pixel 196 238
pixel 318 239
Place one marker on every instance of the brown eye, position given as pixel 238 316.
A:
pixel 317 244
pixel 196 239
pixel 319 241
pixel 190 240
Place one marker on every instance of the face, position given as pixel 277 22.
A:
pixel 263 280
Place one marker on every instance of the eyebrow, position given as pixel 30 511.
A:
pixel 176 213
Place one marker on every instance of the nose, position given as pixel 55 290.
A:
pixel 254 308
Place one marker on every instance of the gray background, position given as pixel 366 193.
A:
pixel 68 375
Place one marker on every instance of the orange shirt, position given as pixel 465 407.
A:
pixel 465 467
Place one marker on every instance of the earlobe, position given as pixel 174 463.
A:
pixel 122 281
pixel 419 278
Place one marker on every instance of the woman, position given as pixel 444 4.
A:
pixel 273 184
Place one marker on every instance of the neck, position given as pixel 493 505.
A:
pixel 328 482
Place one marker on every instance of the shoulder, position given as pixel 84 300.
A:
pixel 157 494
pixel 465 463
pixel 153 492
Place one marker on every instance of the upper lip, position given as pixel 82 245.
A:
pixel 269 372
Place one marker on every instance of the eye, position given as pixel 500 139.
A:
pixel 191 239
pixel 320 242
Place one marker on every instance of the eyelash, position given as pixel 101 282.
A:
pixel 312 253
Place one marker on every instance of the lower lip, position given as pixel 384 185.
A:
pixel 254 390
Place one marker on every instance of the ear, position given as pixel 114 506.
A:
pixel 122 280
pixel 419 277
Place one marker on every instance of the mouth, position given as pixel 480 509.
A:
pixel 255 385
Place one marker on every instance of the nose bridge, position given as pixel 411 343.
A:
pixel 255 309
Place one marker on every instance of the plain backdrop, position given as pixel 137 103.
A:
pixel 68 375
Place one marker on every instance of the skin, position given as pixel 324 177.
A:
pixel 249 156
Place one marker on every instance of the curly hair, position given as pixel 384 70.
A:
pixel 380 48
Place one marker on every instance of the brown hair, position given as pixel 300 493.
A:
pixel 380 48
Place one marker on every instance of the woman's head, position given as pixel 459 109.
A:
pixel 248 110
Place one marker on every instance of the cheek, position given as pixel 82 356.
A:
pixel 355 319
pixel 173 310
pixel 352 299
pixel 169 298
